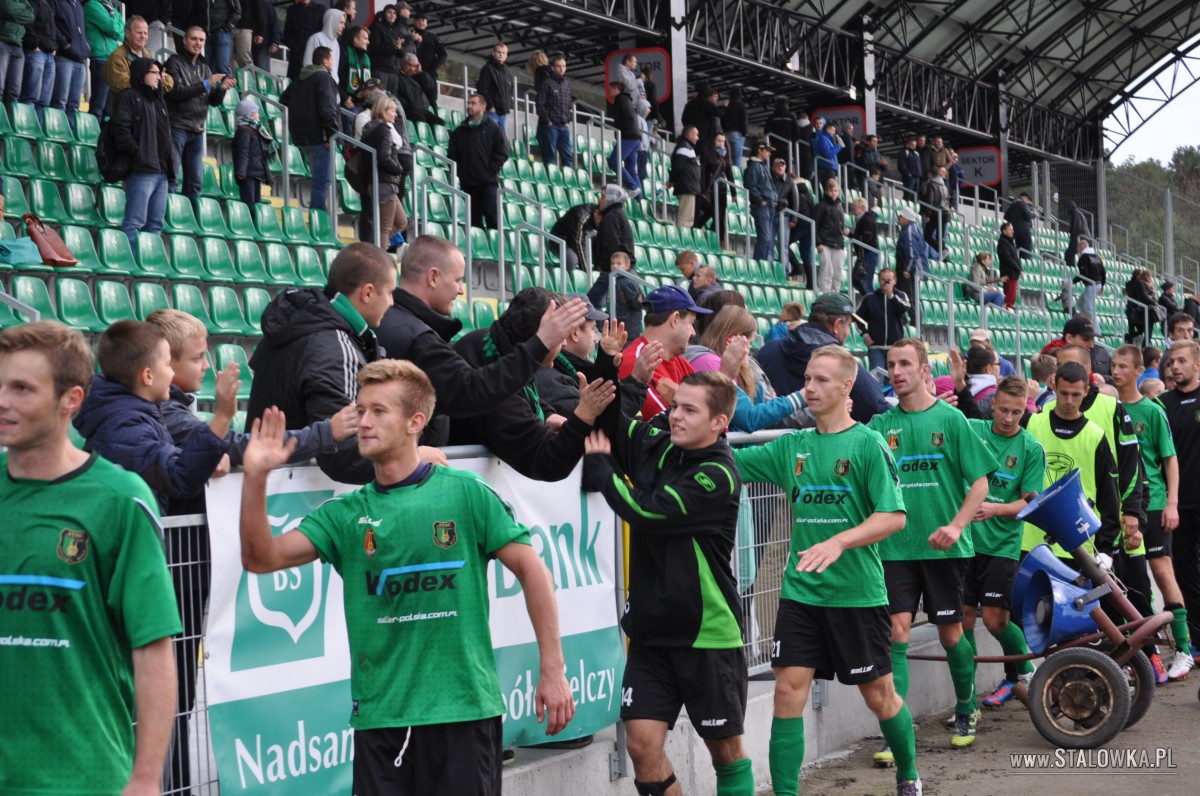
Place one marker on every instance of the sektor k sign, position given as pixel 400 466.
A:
pixel 981 165
pixel 658 59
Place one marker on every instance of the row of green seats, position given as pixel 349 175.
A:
pixel 24 123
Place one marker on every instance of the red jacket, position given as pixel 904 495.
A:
pixel 674 369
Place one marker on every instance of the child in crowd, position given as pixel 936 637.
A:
pixel 1151 388
pixel 629 294
pixel 789 318
pixel 253 146
pixel 1042 369
pixel 1151 356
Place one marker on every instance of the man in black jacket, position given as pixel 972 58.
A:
pixel 866 232
pixel 516 428
pixel 141 131
pixel 572 227
pixel 312 102
pixel 614 232
pixel 703 113
pixel 683 614
pixel 431 51
pixel 495 83
pixel 554 114
pixel 624 118
pixel 787 195
pixel 411 93
pixel 389 34
pixel 315 340
pixel 71 61
pixel 480 149
pixel 196 88
pixel 881 318
pixel 1009 263
pixel 419 328
pixel 687 175
pixel 304 19
pixel 1020 214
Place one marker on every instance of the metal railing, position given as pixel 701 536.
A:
pixel 784 214
pixel 456 195
pixel 1147 333
pixel 547 238
pixel 501 192
pixel 613 276
pixel 438 157
pixel 31 313
pixel 333 181
pixel 717 198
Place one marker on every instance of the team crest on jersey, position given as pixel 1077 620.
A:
pixel 1139 428
pixel 800 459
pixel 1010 462
pixel 893 441
pixel 937 439
pixel 705 482
pixel 73 545
pixel 369 544
pixel 444 534
pixel 841 467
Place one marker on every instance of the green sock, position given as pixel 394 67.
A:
pixel 900 667
pixel 735 779
pixel 969 635
pixel 787 755
pixel 962 672
pixel 900 737
pixel 1179 628
pixel 1012 641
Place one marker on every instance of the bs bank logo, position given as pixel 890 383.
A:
pixel 280 616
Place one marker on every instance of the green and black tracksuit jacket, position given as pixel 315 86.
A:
pixel 682 509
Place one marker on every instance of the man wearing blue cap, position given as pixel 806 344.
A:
pixel 670 313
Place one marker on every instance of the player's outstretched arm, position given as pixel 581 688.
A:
pixel 875 528
pixel 269 447
pixel 154 692
pixel 945 537
pixel 553 700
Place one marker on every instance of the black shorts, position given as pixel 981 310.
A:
pixel 939 581
pixel 853 643
pixel 1158 542
pixel 989 581
pixel 463 757
pixel 710 683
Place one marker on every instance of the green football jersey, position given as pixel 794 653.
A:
pixel 1021 470
pixel 1153 432
pixel 938 457
pixel 414 563
pixel 833 482
pixel 83 582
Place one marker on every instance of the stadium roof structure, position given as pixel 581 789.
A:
pixel 1076 76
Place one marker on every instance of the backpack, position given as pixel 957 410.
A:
pixel 114 164
pixel 358 171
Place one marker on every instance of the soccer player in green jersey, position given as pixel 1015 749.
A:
pixel 996 532
pixel 833 616
pixel 1161 470
pixel 413 547
pixel 88 607
pixel 944 471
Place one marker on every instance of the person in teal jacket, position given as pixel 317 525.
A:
pixel 105 32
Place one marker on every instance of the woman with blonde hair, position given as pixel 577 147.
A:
pixel 725 346
pixel 389 143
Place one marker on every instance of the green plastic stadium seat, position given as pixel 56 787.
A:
pixel 218 123
pixel 79 241
pixel 295 229
pixel 6 231
pixel 15 204
pixel 189 299
pixel 52 159
pixel 115 255
pixel 227 313
pixel 31 290
pixel 47 202
pixel 25 122
pixel 217 261
pixel 229 186
pixel 257 299
pixel 309 272
pixel 241 223
pixel 58 128
pixel 249 264
pixel 228 353
pixel 18 158
pixel 75 307
pixel 349 198
pixel 87 129
pixel 112 205
pixel 211 219
pixel 83 165
pixel 323 232
pixel 267 222
pixel 113 303
pixel 462 312
pixel 152 257
pixel 180 218
pixel 280 268
pixel 483 312
pixel 210 185
pixel 7 316
pixel 185 259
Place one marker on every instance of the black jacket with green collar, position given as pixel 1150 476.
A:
pixel 682 508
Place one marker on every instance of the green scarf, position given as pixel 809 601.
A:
pixel 491 353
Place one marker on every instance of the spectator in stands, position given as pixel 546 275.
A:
pixel 1041 370
pixel 613 231
pixel 242 38
pixel 1140 308
pixel 1191 305
pixel 41 42
pixel 411 94
pixel 787 198
pixel 627 76
pixel 537 67
pixel 71 56
pixel 1167 300
pixel 628 308
pixel 925 151
pixel 253 146
pixel 686 262
pixel 116 71
pixel 1152 356
pixel 141 128
pixel 312 102
pixel 981 277
pixel 419 328
pixel 554 115
pixel 15 15
pixel 102 21
pixel 623 161
pixel 315 340
pixel 516 428
pixel 355 65
pixel 762 198
pixel 431 51
pixel 936 197
pixel 1020 214
pixel 572 227
pixel 388 37
pixel 983 374
pixel 875 188
pixel 909 165
pixel 1180 326
pixel 954 180
pixel 196 90
pixel 1077 226
pixel 783 127
pixel 846 153
pixel 669 322
pixel 714 302
pixel 789 318
pixel 717 162
pixel 480 149
pixel 217 18
pixel 1093 276
pixel 912 258
pixel 829 318
pixel 831 238
pixel 703 113
pixel 704 283
pixel 1079 331
pixel 826 148
pixel 880 318
pixel 687 175
pixel 332 25
pixel 866 260
pixel 735 125
pixel 304 18
pixel 121 420
pixel 867 158
pixel 984 336
pixel 1010 263
pixel 943 156
pixel 495 83
pixel 394 158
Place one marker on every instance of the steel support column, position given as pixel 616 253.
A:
pixel 1168 233
pixel 1101 229
pixel 868 42
pixel 679 54
pixel 1002 122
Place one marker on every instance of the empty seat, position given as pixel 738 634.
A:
pixel 280 269
pixel 148 297
pixel 211 219
pixel 46 202
pixel 229 353
pixel 257 299
pixel 295 230
pixel 241 223
pixel 115 255
pixel 75 307
pixel 87 129
pixel 152 256
pixel 267 222
pixel 185 258
pixel 58 128
pixel 52 159
pixel 180 218
pixel 248 262
pixel 323 232
pixel 308 267
pixel 189 299
pixel 15 203
pixel 217 261
pixel 25 121
pixel 79 241
pixel 81 206
pixel 31 290
pixel 18 158
pixel 113 303
pixel 226 311
pixel 112 205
